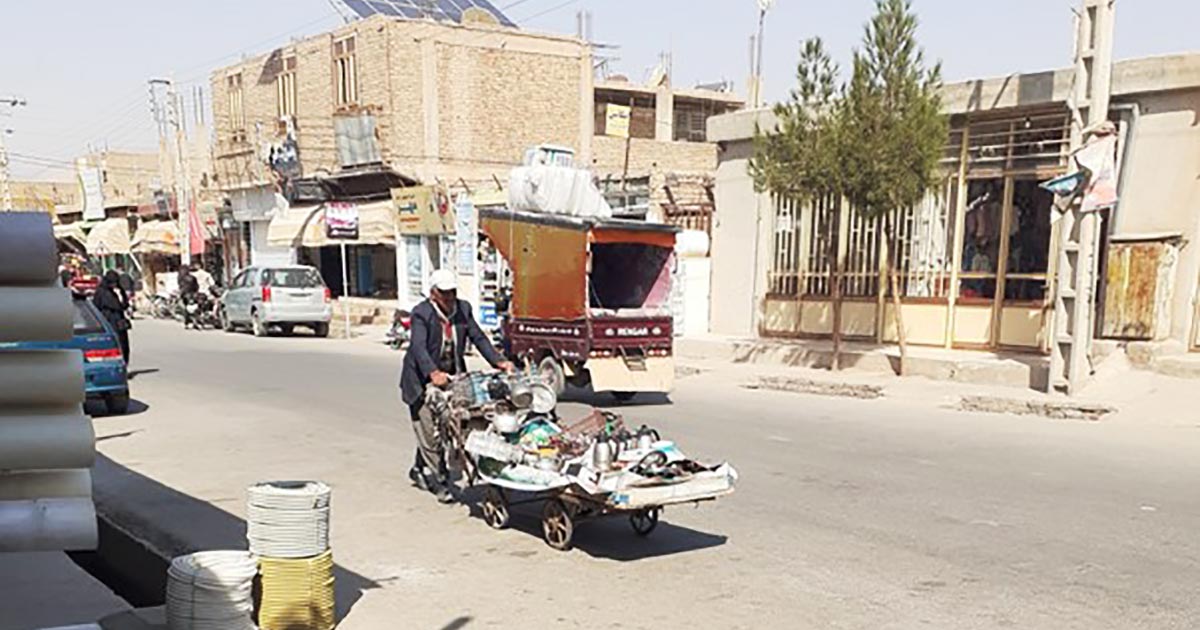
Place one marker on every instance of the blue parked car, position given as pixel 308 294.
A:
pixel 104 371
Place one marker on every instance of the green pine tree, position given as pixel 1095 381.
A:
pixel 875 141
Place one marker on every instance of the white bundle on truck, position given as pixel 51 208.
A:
pixel 556 190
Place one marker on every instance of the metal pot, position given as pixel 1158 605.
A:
pixel 506 422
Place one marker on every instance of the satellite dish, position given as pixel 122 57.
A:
pixel 477 15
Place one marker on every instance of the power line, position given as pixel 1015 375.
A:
pixel 550 10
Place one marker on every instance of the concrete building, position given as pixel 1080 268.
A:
pixel 977 258
pixel 46 196
pixel 448 103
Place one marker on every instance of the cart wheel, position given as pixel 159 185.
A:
pixel 557 526
pixel 495 508
pixel 644 521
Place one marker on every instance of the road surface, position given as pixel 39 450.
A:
pixel 849 513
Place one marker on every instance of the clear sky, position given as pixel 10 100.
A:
pixel 82 65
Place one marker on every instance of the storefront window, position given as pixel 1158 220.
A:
pixel 981 238
pixel 1029 245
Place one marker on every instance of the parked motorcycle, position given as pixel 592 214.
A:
pixel 401 330
pixel 203 311
pixel 164 307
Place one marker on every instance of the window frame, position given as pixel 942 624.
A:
pixel 345 71
pixel 285 87
pixel 235 98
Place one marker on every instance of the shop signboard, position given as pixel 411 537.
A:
pixel 466 234
pixel 91 181
pixel 341 221
pixel 616 120
pixel 422 211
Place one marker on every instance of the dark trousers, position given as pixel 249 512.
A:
pixel 187 299
pixel 123 339
pixel 430 460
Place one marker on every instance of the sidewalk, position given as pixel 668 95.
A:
pixel 945 378
pixel 1011 369
pixel 46 590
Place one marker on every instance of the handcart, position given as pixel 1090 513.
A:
pixel 580 471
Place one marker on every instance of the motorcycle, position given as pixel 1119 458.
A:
pixel 401 329
pixel 164 307
pixel 203 311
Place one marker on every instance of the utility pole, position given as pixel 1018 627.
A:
pixel 1079 232
pixel 181 182
pixel 6 200
pixel 756 53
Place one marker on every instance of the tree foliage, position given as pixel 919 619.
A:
pixel 875 140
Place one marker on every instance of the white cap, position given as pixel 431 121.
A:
pixel 443 280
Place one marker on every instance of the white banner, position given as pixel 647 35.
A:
pixel 91 182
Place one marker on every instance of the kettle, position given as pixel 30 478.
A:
pixel 603 455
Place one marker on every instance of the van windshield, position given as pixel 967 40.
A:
pixel 292 278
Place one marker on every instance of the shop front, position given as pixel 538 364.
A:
pixel 974 260
pixel 370 259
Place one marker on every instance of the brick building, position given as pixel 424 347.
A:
pixel 438 102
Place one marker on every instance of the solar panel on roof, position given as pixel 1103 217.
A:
pixel 446 10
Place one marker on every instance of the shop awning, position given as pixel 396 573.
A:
pixel 72 231
pixel 110 236
pixel 157 237
pixel 304 226
pixel 489 198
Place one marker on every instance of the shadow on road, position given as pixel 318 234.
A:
pixel 458 623
pixel 606 400
pixel 136 373
pixel 97 409
pixel 609 537
pixel 145 523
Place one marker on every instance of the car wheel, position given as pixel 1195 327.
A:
pixel 321 329
pixel 257 325
pixel 117 404
pixel 226 325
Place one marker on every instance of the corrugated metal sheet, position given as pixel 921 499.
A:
pixel 1138 290
pixel 356 142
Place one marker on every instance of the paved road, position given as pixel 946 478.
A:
pixel 850 514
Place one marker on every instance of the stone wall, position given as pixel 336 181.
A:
pixel 648 156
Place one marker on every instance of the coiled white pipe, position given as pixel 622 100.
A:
pixel 288 519
pixel 211 590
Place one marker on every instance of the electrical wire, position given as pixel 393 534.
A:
pixel 550 10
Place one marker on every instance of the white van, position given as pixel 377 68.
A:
pixel 283 297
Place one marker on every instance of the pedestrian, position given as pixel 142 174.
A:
pixel 108 300
pixel 128 290
pixel 441 327
pixel 189 288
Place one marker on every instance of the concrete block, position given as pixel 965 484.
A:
pixel 1181 366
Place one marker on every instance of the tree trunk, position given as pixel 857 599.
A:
pixel 894 277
